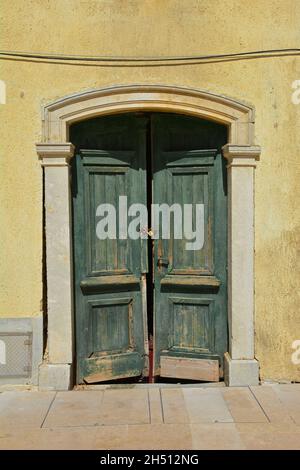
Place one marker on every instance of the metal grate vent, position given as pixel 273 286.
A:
pixel 15 354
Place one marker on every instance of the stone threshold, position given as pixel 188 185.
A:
pixel 148 385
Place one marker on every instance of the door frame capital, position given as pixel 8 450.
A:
pixel 55 154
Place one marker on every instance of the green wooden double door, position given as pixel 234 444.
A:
pixel 150 247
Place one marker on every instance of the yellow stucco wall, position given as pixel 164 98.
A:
pixel 158 28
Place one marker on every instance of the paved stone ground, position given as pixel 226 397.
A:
pixel 152 417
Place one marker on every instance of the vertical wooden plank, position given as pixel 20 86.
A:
pixel 145 323
pixel 111 198
pixel 185 171
pixel 187 198
pixel 103 318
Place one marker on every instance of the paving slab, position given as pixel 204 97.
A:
pixel 24 409
pixel 82 408
pixel 145 436
pixel 271 441
pixel 221 436
pixel 206 406
pixel 265 417
pixel 173 406
pixel 24 439
pixel 243 406
pixel 112 437
pixel 155 405
pixel 268 428
pixel 289 395
pixel 164 436
pixel 79 438
pixel 271 404
pixel 125 406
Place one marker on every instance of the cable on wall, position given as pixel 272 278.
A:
pixel 170 60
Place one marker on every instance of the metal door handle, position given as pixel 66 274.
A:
pixel 163 262
pixel 145 231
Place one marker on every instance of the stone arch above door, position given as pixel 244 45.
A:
pixel 58 115
pixel 55 151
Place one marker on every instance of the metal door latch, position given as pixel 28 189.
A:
pixel 162 262
pixel 145 231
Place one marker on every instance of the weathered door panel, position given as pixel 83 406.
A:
pixel 110 329
pixel 190 292
pixel 190 284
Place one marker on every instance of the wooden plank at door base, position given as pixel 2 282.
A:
pixel 102 377
pixel 189 368
pixel 111 367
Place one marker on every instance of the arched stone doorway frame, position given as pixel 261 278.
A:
pixel 55 152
